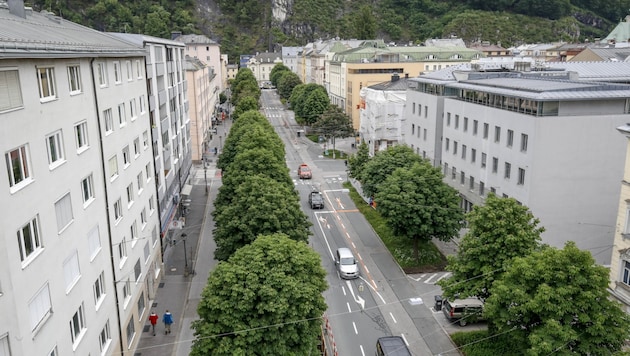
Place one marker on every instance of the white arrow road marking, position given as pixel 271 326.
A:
pixel 357 299
pixel 339 203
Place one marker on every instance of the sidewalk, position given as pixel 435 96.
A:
pixel 184 275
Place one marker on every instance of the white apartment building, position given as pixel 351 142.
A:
pixel 170 124
pixel 290 57
pixel 546 139
pixel 81 256
pixel 203 96
pixel 262 63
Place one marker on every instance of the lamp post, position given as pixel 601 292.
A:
pixel 185 256
pixel 205 175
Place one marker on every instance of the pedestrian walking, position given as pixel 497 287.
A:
pixel 167 319
pixel 153 318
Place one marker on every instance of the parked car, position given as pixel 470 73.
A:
pixel 316 200
pixel 465 311
pixel 304 171
pixel 392 346
pixel 346 263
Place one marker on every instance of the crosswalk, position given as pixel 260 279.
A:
pixel 429 278
pixel 330 180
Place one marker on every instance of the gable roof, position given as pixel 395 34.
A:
pixel 621 33
pixel 195 39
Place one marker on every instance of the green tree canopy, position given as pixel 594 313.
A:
pixel 333 123
pixel 365 24
pixel 556 301
pixel 379 167
pixel 276 73
pixel 265 300
pixel 358 160
pixel 286 83
pixel 300 95
pixel 249 137
pixel 260 206
pixel 245 104
pixel 418 205
pixel 500 230
pixel 316 103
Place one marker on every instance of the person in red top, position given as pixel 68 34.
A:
pixel 153 318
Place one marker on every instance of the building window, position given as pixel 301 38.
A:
pixel 462 177
pixel 137 271
pixel 130 194
pixel 497 134
pixel 471 181
pixel 138 69
pixel 465 124
pixel 454 147
pixel 483 160
pixel 122 252
pixel 424 134
pixel 102 74
pixel 118 210
pixel 18 166
pixel 524 143
pixel 136 147
pixel 445 168
pixel 626 273
pixel 122 115
pixel 133 229
pixel 81 136
pixel 510 138
pixel 413 109
pixel 10 90
pixel 87 189
pixel 29 241
pixel 473 155
pixel 129 70
pixel 143 217
pixel 145 140
pixel 74 79
pixel 142 105
pixel 71 271
pixel 141 305
pixel 486 128
pixel 39 307
pixel 426 111
pixel 131 332
pixel 482 188
pixel 63 209
pixel 94 242
pixel 99 289
pixel 126 292
pixel 109 120
pixel 413 129
pixel 448 143
pixel 133 109
pixel 495 164
pixel 475 127
pixel 77 325
pixel 113 167
pixel 453 173
pixel 508 169
pixel 54 144
pixel 463 151
pixel 126 157
pixel 521 176
pixel 117 74
pixel 456 122
pixel 46 81
pixel 140 182
pixel 105 338
pixel 151 205
pixel 448 119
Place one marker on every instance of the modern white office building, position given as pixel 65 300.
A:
pixel 545 138
pixel 80 250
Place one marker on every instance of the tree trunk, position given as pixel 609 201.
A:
pixel 333 140
pixel 416 255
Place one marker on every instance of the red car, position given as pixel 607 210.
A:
pixel 304 172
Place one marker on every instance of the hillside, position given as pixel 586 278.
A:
pixel 249 26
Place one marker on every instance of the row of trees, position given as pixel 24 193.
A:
pixel 265 296
pixel 539 299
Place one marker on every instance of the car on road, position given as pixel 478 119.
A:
pixel 465 311
pixel 316 200
pixel 304 171
pixel 392 346
pixel 346 263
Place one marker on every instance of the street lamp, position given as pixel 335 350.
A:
pixel 205 175
pixel 185 256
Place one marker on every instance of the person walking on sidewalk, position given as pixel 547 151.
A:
pixel 167 319
pixel 153 318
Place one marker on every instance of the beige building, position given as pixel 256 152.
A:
pixel 262 63
pixel 374 62
pixel 203 96
pixel 207 51
pixel 620 260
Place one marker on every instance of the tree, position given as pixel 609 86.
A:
pixel 265 300
pixel 556 301
pixel 418 205
pixel 301 94
pixel 315 105
pixel 157 23
pixel 252 137
pixel 276 73
pixel 260 206
pixel 358 160
pixel 379 167
pixel 365 24
pixel 245 104
pixel 500 230
pixel 333 123
pixel 286 83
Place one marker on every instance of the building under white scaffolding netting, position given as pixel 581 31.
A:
pixel 382 110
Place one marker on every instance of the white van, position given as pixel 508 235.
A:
pixel 346 263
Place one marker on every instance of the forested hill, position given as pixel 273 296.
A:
pixel 248 26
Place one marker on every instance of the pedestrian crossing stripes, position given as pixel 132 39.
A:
pixel 429 278
pixel 329 180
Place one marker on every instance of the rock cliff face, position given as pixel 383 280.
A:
pixel 281 9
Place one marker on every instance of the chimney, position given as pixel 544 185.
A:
pixel 395 77
pixel 16 7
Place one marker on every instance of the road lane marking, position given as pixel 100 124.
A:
pixel 405 339
pixel 362 352
pixel 353 245
pixel 394 319
pixel 355 328
pixel 349 309
pixel 357 298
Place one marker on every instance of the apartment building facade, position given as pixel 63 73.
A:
pixel 546 139
pixel 81 250
pixel 203 97
pixel 262 63
pixel 208 52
